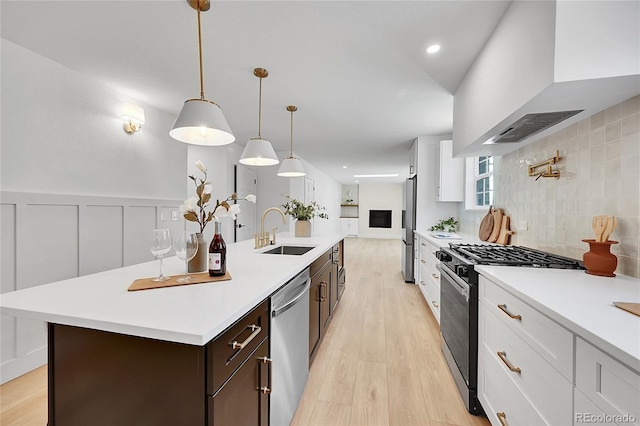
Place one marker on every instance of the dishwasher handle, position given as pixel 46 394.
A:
pixel 293 301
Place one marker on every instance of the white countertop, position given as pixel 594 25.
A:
pixel 444 242
pixel 580 302
pixel 192 314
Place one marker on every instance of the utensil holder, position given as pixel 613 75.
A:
pixel 599 260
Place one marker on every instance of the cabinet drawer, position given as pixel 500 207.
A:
pixel 548 338
pixel 611 386
pixel 224 357
pixel 320 262
pixel 533 376
pixel 244 400
pixel 434 298
pixel 499 395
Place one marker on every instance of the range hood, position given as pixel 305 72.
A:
pixel 547 65
pixel 530 125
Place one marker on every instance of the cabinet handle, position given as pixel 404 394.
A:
pixel 435 277
pixel 422 261
pixel 421 282
pixel 503 419
pixel 256 330
pixel 264 360
pixel 503 357
pixel 435 305
pixel 423 244
pixel 323 284
pixel 433 253
pixel 504 309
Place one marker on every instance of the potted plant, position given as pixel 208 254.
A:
pixel 303 214
pixel 446 225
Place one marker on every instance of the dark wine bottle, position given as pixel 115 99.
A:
pixel 217 254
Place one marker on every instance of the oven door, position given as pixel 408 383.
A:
pixel 455 310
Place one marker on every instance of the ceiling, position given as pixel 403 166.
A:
pixel 356 70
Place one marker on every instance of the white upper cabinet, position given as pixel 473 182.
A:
pixel 450 172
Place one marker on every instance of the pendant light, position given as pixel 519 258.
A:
pixel 258 151
pixel 291 166
pixel 201 121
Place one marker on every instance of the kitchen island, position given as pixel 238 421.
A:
pixel 145 356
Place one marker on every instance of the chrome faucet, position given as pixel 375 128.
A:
pixel 262 239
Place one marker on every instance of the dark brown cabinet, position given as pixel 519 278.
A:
pixel 102 378
pixel 324 295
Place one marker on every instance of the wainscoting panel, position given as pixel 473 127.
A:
pixel 101 238
pixel 51 237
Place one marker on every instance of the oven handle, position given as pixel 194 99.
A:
pixel 462 287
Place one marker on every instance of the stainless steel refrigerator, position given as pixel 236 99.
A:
pixel 408 226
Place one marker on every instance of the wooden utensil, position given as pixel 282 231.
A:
pixel 609 228
pixel 486 226
pixel 505 232
pixel 497 221
pixel 599 225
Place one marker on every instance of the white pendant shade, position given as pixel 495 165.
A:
pixel 201 122
pixel 291 167
pixel 259 152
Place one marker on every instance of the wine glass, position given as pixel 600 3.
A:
pixel 160 247
pixel 186 248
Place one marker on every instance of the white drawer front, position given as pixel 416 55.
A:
pixel 434 299
pixel 499 395
pixel 534 376
pixel 586 412
pixel 611 386
pixel 550 340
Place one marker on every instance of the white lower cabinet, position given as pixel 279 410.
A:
pixel 608 385
pixel 514 344
pixel 429 275
pixel 533 371
pixel 349 226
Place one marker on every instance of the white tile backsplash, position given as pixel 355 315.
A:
pixel 600 175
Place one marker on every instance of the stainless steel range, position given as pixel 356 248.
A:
pixel 459 303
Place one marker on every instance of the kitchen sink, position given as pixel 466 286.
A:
pixel 289 250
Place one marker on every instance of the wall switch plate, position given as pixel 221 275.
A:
pixel 163 216
pixel 523 225
pixel 174 215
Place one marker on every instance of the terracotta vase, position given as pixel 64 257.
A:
pixel 200 261
pixel 303 228
pixel 599 260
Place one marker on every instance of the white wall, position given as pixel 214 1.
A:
pixel 380 196
pixel 271 187
pixel 62 133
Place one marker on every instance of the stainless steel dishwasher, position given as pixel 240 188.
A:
pixel 289 348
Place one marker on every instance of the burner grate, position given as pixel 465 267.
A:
pixel 484 254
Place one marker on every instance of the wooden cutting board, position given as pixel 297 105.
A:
pixel 634 308
pixel 497 221
pixel 505 232
pixel 198 278
pixel 486 226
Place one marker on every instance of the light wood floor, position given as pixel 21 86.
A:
pixel 379 364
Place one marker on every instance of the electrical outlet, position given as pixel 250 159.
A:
pixel 163 216
pixel 175 215
pixel 523 225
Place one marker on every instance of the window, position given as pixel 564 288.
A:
pixel 479 193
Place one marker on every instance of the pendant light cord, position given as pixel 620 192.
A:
pixel 200 56
pixel 291 149
pixel 260 110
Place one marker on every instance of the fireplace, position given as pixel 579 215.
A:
pixel 379 218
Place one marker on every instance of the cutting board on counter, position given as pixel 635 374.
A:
pixel 497 222
pixel 198 278
pixel 505 232
pixel 634 308
pixel 486 226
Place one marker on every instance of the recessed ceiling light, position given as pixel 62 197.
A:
pixel 433 48
pixel 344 167
pixel 377 175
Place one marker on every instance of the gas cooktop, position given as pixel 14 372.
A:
pixel 485 254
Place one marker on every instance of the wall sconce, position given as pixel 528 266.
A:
pixel 132 117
